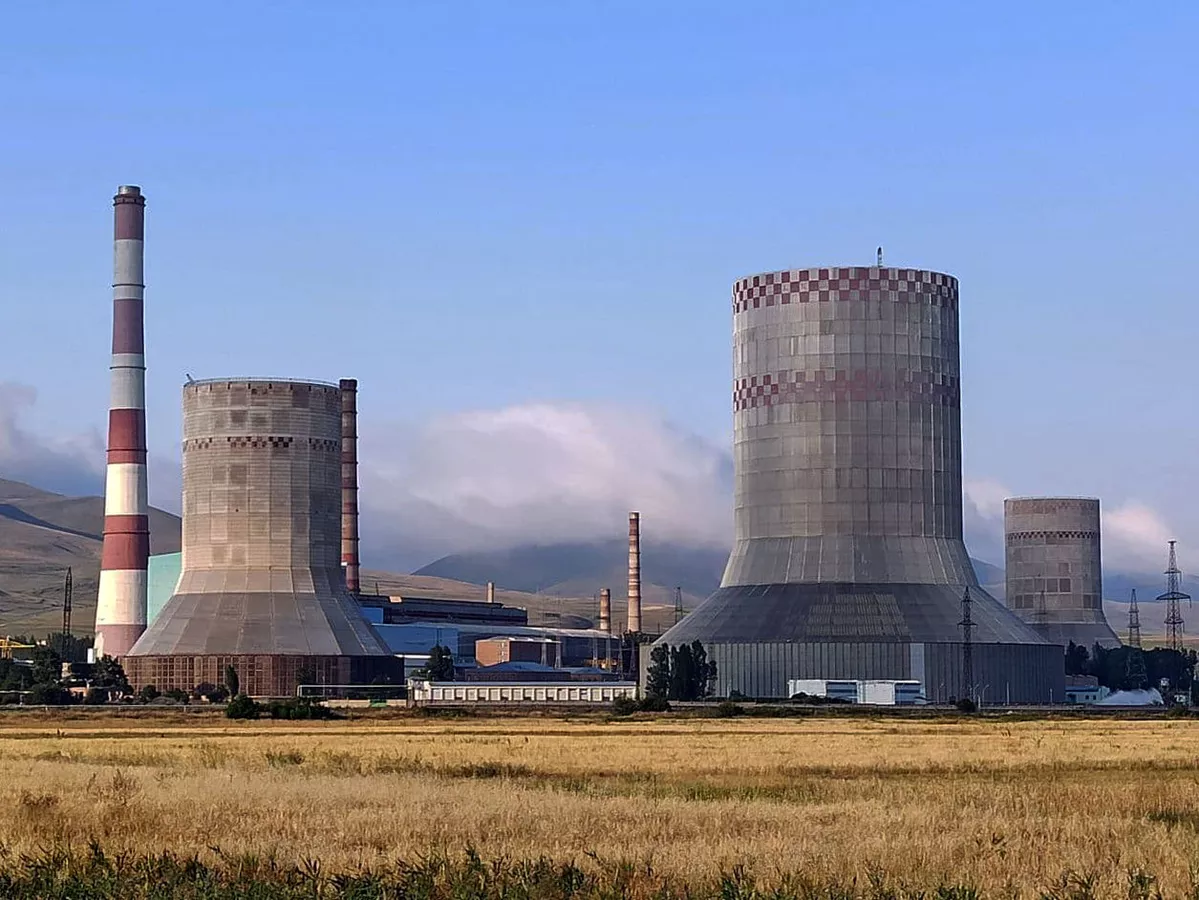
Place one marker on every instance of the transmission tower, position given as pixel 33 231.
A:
pixel 66 605
pixel 967 625
pixel 678 605
pixel 1173 597
pixel 1134 622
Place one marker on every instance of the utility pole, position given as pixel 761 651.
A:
pixel 1172 598
pixel 66 607
pixel 1134 622
pixel 967 626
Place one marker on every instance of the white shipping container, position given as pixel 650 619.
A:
pixel 889 693
pixel 820 687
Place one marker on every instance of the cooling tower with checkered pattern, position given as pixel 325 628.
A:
pixel 848 561
pixel 261 586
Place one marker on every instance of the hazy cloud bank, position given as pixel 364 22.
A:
pixel 70 465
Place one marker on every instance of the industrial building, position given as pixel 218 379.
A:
pixel 429 693
pixel 848 560
pixel 261 586
pixel 1054 580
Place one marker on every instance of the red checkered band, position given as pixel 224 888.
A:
pixel 780 388
pixel 849 283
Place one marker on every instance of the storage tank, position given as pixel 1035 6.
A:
pixel 261 586
pixel 848 559
pixel 1054 576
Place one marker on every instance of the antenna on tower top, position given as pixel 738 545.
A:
pixel 880 257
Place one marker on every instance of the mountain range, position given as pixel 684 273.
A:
pixel 42 533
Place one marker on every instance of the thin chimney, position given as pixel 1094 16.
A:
pixel 634 572
pixel 125 556
pixel 605 612
pixel 349 483
pixel 491 592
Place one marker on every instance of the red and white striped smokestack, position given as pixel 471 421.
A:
pixel 349 483
pixel 121 603
pixel 635 572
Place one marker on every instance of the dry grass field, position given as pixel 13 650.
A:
pixel 1008 808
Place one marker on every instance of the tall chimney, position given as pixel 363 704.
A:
pixel 605 616
pixel 125 557
pixel 634 572
pixel 349 483
pixel 491 592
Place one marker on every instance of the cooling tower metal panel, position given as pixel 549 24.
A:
pixel 261 527
pixel 1054 578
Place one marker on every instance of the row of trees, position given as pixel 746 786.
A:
pixel 680 673
pixel 1130 668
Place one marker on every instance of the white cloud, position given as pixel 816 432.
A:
pixel 72 464
pixel 541 473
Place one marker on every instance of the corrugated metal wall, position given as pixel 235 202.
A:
pixel 1019 673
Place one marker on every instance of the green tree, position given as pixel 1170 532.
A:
pixel 47 666
pixel 705 671
pixel 657 676
pixel 232 682
pixel 1077 659
pixel 242 707
pixel 441 664
pixel 109 673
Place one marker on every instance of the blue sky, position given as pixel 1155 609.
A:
pixel 476 207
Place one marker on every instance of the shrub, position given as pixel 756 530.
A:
pixel 654 704
pixel 728 709
pixel 242 707
pixel 49 695
pixel 178 695
pixel 148 694
pixel 966 705
pixel 624 706
pixel 299 708
pixel 96 696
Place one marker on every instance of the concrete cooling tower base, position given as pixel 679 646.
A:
pixel 760 636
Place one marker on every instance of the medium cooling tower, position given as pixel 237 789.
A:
pixel 261 586
pixel 1054 577
pixel 848 560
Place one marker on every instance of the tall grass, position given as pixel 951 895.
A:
pixel 808 805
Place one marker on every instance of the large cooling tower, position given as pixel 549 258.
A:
pixel 261 586
pixel 848 559
pixel 1054 578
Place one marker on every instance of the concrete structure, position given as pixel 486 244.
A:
pixel 848 561
pixel 261 586
pixel 349 483
pixel 497 650
pixel 605 610
pixel 634 621
pixel 121 601
pixel 396 609
pixel 1054 580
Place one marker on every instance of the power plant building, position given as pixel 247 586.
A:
pixel 1054 577
pixel 848 560
pixel 261 586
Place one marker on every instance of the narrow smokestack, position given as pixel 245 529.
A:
pixel 605 616
pixel 121 602
pixel 634 572
pixel 491 592
pixel 349 483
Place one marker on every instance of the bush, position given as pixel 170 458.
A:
pixel 148 694
pixel 728 709
pixel 966 705
pixel 242 707
pixel 49 695
pixel 96 696
pixel 624 706
pixel 300 708
pixel 178 695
